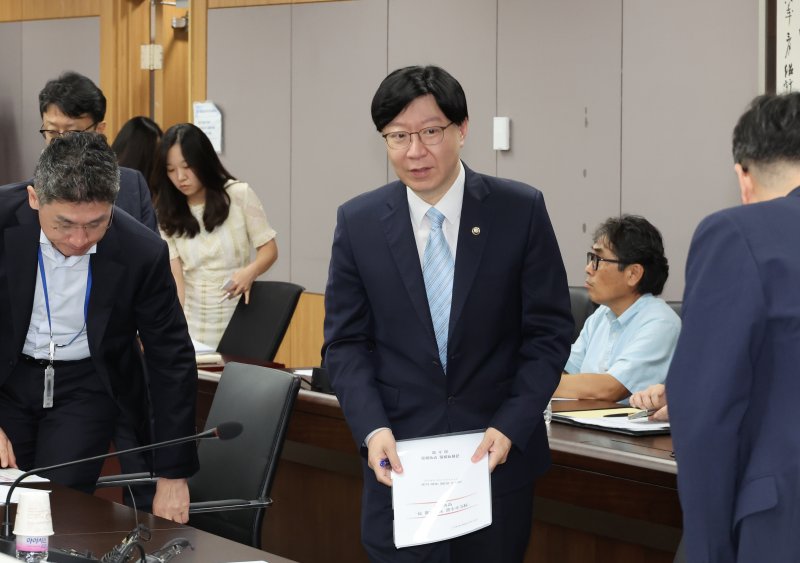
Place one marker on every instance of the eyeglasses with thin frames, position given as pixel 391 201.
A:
pixel 594 260
pixel 432 135
pixel 50 134
pixel 91 230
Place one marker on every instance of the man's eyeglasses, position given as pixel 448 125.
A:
pixel 91 230
pixel 594 260
pixel 50 134
pixel 429 136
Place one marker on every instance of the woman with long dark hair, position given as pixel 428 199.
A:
pixel 210 221
pixel 136 146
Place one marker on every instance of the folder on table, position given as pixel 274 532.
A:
pixel 612 420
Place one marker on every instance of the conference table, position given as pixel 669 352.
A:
pixel 84 522
pixel 607 497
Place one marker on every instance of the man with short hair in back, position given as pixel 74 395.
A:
pixel 73 103
pixel 79 280
pixel 627 343
pixel 733 384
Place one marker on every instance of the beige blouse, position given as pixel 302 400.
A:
pixel 209 259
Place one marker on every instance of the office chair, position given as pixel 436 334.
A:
pixel 582 307
pixel 255 331
pixel 230 492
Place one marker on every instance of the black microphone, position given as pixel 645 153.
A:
pixel 223 431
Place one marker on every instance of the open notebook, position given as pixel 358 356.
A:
pixel 612 420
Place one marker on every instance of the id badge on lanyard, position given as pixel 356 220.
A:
pixel 49 371
pixel 49 378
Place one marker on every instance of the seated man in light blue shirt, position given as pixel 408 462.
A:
pixel 627 343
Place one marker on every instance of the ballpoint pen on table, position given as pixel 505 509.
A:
pixel 642 414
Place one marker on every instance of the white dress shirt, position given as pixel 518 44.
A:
pixel 449 206
pixel 66 289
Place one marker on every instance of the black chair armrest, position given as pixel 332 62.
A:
pixel 228 504
pixel 125 480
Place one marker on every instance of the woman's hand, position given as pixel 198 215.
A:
pixel 243 279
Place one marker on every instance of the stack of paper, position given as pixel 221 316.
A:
pixel 441 494
pixel 613 420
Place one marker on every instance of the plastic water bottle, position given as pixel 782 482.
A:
pixel 32 549
pixel 548 412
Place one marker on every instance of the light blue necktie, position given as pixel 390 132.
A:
pixel 437 269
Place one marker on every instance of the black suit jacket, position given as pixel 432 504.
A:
pixel 134 197
pixel 510 322
pixel 733 386
pixel 133 291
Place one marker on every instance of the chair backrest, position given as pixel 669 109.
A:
pixel 676 306
pixel 261 399
pixel 582 308
pixel 255 331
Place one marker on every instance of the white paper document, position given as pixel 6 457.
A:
pixel 208 359
pixel 623 423
pixel 202 348
pixel 441 494
pixel 9 475
pixel 208 118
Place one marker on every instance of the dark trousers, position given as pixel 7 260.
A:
pixel 126 436
pixel 505 540
pixel 79 424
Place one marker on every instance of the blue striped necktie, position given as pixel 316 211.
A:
pixel 437 270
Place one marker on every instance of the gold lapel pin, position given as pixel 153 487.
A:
pixel 476 231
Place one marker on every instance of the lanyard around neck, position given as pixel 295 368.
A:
pixel 47 300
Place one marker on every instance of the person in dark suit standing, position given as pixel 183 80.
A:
pixel 733 383
pixel 78 282
pixel 73 103
pixel 447 310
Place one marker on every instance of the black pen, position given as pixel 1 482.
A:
pixel 615 414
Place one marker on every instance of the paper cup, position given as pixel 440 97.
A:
pixel 33 514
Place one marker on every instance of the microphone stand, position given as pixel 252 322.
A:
pixel 224 431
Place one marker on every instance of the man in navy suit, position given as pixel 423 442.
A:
pixel 73 103
pixel 733 383
pixel 398 369
pixel 79 281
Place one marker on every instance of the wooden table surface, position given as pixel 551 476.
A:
pixel 83 522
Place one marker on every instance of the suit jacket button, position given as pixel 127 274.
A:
pixel 451 400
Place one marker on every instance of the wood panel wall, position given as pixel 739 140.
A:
pixel 21 10
pixel 245 3
pixel 302 344
pixel 124 27
pixel 171 85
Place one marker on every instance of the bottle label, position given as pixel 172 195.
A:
pixel 32 543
